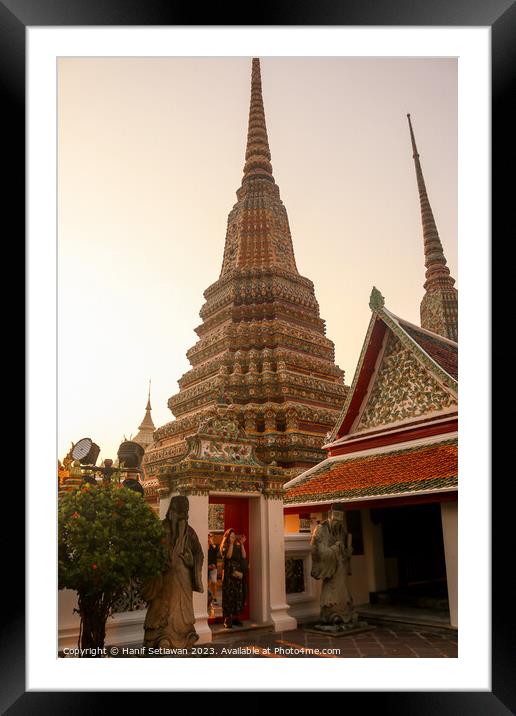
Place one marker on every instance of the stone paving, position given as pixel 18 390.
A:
pixel 386 640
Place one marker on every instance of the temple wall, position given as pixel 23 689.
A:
pixel 122 629
pixel 449 518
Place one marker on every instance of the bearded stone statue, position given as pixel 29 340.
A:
pixel 331 560
pixel 169 622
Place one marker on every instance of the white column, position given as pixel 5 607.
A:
pixel 373 550
pixel 278 607
pixel 449 519
pixel 198 520
pixel 258 561
pixel 164 504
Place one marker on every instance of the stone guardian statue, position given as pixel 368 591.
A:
pixel 331 560
pixel 169 622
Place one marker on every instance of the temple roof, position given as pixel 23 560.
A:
pixel 431 352
pixel 397 472
pixel 443 351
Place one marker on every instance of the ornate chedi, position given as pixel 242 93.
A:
pixel 146 429
pixel 439 307
pixel 262 349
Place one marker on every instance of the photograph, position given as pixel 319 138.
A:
pixel 257 340
pixel 244 240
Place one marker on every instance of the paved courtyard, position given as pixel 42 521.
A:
pixel 384 640
pixel 387 640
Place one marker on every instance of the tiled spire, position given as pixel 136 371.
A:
pixel 257 155
pixel 439 305
pixel 437 272
pixel 147 420
pixel 258 233
pixel 146 428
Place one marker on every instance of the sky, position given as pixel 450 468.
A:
pixel 150 155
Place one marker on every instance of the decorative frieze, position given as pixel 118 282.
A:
pixel 402 389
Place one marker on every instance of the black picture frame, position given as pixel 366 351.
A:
pixel 500 16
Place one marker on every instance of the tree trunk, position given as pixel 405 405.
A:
pixel 94 611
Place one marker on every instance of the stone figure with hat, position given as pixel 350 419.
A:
pixel 331 562
pixel 170 620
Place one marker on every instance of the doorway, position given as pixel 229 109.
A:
pixel 225 512
pixel 414 557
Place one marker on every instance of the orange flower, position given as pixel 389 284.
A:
pixel 94 566
pixel 75 515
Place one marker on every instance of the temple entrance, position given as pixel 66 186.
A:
pixel 415 564
pixel 225 512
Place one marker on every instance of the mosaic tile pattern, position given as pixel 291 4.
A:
pixel 403 389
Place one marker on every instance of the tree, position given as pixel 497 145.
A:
pixel 107 535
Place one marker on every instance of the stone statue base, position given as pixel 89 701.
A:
pixel 339 629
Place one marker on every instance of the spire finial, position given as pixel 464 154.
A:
pixel 437 272
pixel 412 138
pixel 147 425
pixel 258 233
pixel 376 300
pixel 257 155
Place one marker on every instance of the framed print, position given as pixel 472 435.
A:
pixel 136 128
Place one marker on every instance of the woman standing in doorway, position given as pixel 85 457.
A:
pixel 233 553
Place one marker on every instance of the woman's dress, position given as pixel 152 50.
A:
pixel 233 589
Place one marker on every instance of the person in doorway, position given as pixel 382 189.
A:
pixel 212 568
pixel 234 555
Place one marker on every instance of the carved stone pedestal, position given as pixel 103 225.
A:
pixel 339 629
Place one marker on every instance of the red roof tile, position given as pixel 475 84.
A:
pixel 422 468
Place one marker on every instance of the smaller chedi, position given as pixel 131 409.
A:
pixel 331 562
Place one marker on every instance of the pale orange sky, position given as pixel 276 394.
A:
pixel 151 152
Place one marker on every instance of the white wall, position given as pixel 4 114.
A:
pixel 304 606
pixel 376 574
pixel 198 520
pixel 258 563
pixel 121 629
pixel 449 518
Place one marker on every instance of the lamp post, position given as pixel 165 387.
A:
pixel 84 455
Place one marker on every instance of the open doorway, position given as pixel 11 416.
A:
pixel 225 512
pixel 414 557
